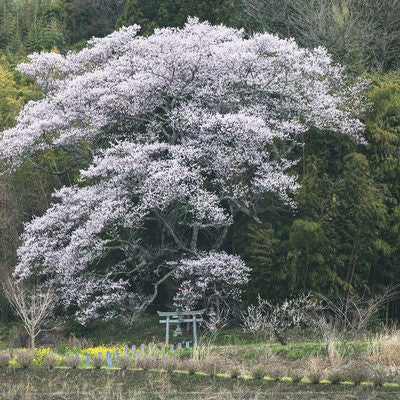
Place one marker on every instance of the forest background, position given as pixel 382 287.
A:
pixel 344 235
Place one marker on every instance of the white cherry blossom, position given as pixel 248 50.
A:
pixel 182 129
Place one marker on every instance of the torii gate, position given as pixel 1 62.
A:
pixel 177 317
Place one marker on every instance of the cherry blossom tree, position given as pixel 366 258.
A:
pixel 212 280
pixel 183 131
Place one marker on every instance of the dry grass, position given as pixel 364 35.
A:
pixel 386 349
pixel 335 352
pixel 212 366
pixel 90 384
pixel 276 372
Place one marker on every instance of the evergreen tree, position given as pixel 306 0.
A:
pixel 150 14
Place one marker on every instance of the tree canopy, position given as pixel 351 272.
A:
pixel 177 134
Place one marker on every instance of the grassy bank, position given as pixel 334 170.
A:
pixel 104 384
pixel 228 365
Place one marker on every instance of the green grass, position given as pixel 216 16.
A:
pixel 298 350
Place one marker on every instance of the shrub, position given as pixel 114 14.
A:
pixel 73 361
pixel 39 355
pixel 4 359
pixel 97 361
pixel 169 364
pixel 25 358
pixel 124 362
pixel 185 354
pixel 192 366
pixel 145 362
pixel 258 372
pixel 210 366
pixel 50 360
pixel 356 372
pixel 335 376
pixel 314 376
pixel 379 375
pixel 276 372
pixel 296 375
pixel 234 373
pixel 278 318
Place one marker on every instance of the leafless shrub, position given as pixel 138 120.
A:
pixel 356 372
pixel 192 366
pixel 169 364
pixel 51 360
pixel 73 361
pixel 335 375
pixel 258 372
pixel 276 372
pixel 350 314
pixel 4 359
pixel 379 374
pixel 24 358
pixel 278 318
pixel 234 373
pixel 124 362
pixel 145 362
pixel 97 361
pixel 296 375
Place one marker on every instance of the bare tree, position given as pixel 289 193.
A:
pixel 350 314
pixel 32 305
pixel 363 34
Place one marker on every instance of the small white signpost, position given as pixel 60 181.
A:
pixel 178 317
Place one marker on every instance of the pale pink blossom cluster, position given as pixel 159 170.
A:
pixel 182 130
pixel 213 274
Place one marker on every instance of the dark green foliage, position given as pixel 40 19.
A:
pixel 31 25
pixel 150 14
pixel 86 18
pixel 28 26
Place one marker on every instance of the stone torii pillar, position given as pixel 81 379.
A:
pixel 177 317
